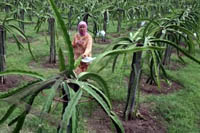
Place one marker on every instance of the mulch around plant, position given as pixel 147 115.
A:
pixel 147 123
pixel 13 81
pixel 165 88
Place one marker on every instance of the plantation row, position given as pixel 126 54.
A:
pixel 158 28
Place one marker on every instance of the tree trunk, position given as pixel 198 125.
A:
pixel 15 15
pixel 70 18
pixel 2 53
pixel 7 8
pixel 105 21
pixel 130 28
pixel 105 24
pixel 95 30
pixel 66 98
pixel 166 59
pixel 119 21
pixel 30 13
pixel 21 17
pixel 85 18
pixel 52 58
pixel 131 108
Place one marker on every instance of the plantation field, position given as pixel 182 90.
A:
pixel 161 105
pixel 178 111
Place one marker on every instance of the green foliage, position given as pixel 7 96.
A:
pixel 93 76
pixel 8 113
pixel 65 36
pixel 106 107
pixel 14 91
pixel 22 72
pixel 31 90
pixel 47 106
pixel 14 30
pixel 61 60
pixel 69 111
pixel 178 109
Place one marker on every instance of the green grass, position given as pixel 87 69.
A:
pixel 180 110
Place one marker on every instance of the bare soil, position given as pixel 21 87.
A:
pixel 147 123
pixel 44 63
pixel 175 65
pixel 100 41
pixel 164 87
pixel 13 81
